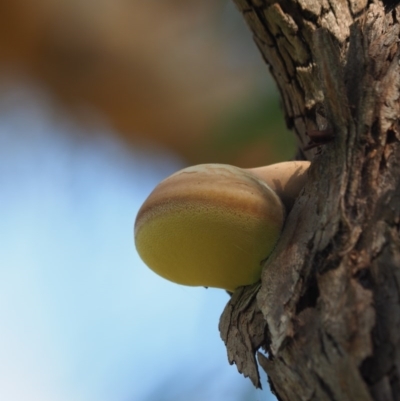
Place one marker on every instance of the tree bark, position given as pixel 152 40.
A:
pixel 325 321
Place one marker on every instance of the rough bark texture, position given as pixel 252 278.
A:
pixel 327 313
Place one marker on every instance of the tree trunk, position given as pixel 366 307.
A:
pixel 325 321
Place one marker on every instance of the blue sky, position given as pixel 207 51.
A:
pixel 81 317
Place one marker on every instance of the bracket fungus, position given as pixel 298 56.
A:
pixel 213 225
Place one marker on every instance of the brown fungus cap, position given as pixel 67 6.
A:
pixel 209 225
pixel 286 179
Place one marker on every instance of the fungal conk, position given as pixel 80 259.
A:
pixel 213 225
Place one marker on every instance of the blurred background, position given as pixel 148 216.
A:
pixel 99 101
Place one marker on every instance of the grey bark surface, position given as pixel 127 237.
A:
pixel 324 323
